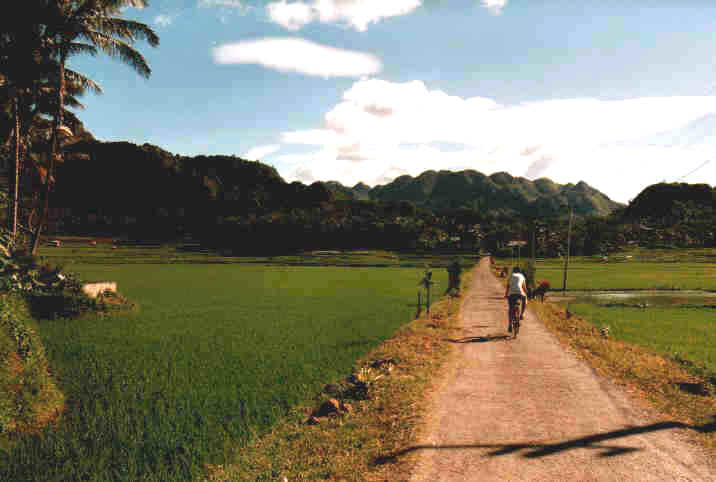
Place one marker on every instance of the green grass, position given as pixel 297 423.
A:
pixel 587 275
pixel 81 253
pixel 640 272
pixel 686 333
pixel 215 356
pixel 637 269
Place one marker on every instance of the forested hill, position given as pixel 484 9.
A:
pixel 122 174
pixel 125 178
pixel 669 204
pixel 148 193
pixel 499 193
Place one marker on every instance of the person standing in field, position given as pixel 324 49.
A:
pixel 516 289
pixel 454 269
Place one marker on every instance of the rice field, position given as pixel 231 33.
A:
pixel 216 354
pixel 681 329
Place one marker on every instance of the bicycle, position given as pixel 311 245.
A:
pixel 514 316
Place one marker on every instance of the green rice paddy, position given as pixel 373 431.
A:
pixel 216 354
pixel 629 274
pixel 684 330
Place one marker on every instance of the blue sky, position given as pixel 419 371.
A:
pixel 618 94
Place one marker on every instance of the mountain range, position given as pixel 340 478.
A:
pixel 499 193
pixel 116 174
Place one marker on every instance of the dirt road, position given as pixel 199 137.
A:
pixel 527 409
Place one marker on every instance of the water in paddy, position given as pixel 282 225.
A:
pixel 597 296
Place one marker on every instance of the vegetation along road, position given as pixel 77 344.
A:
pixel 527 409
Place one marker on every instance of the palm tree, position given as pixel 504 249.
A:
pixel 19 49
pixel 86 27
pixel 28 98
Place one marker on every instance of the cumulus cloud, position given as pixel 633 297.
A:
pixel 298 55
pixel 494 6
pixel 357 14
pixel 601 142
pixel 303 175
pixel 538 167
pixel 260 152
pixel 292 16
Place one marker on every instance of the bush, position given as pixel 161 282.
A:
pixel 50 306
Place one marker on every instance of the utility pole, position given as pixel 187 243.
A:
pixel 566 259
pixel 534 242
pixel 519 256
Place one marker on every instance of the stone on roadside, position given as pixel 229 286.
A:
pixel 327 408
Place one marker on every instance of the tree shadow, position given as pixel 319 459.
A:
pixel 478 339
pixel 536 450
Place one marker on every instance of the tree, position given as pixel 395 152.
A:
pixel 75 27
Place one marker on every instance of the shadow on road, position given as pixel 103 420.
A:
pixel 478 339
pixel 535 450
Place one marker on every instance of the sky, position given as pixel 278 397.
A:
pixel 617 94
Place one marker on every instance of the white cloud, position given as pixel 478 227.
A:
pixel 381 128
pixel 221 4
pixel 291 16
pixel 298 55
pixel 494 6
pixel 260 152
pixel 163 20
pixel 357 14
pixel 226 8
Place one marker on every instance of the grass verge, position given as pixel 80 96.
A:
pixel 29 398
pixel 657 382
pixel 379 420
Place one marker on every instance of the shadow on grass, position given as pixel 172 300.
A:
pixel 536 450
pixel 478 339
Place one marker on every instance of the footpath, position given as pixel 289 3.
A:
pixel 527 409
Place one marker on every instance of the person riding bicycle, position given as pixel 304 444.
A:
pixel 516 289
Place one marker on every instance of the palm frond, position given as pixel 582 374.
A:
pixel 76 48
pixel 84 82
pixel 123 51
pixel 121 4
pixel 126 30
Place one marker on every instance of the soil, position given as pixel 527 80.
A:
pixel 528 409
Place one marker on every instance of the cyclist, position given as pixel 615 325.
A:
pixel 516 289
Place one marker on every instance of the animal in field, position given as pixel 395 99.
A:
pixel 541 290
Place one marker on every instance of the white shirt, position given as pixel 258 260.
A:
pixel 516 281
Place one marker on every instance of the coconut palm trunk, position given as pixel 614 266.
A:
pixel 54 155
pixel 16 178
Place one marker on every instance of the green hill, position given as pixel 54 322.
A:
pixel 499 193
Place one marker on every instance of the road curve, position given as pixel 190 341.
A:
pixel 527 409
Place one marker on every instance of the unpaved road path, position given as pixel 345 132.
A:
pixel 527 409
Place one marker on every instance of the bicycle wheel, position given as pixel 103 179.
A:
pixel 514 320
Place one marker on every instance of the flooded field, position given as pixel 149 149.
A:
pixel 690 296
